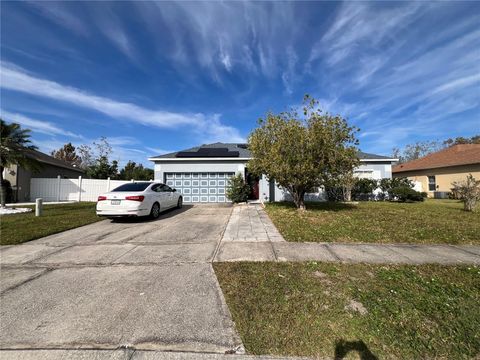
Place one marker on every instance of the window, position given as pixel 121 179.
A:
pixel 141 186
pixel 432 186
pixel 165 188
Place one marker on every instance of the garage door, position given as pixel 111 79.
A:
pixel 200 187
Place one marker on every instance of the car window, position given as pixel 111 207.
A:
pixel 165 188
pixel 155 187
pixel 140 186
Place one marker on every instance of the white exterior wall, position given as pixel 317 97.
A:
pixel 376 170
pixel 196 166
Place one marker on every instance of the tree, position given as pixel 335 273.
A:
pixel 96 162
pixel 68 154
pixel 417 150
pixel 469 192
pixel 14 145
pixel 137 172
pixel 302 153
pixel 462 140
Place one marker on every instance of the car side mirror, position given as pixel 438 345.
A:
pixel 174 190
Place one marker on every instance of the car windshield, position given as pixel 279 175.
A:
pixel 133 186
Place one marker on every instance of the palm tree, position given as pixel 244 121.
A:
pixel 14 144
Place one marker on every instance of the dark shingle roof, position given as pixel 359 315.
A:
pixel 47 159
pixel 366 156
pixel 240 148
pixel 243 151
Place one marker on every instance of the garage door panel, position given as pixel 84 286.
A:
pixel 206 187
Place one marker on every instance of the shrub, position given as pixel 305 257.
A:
pixel 469 191
pixel 386 186
pixel 8 191
pixel 406 193
pixel 237 190
pixel 363 189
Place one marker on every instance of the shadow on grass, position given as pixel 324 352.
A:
pixel 342 348
pixel 319 206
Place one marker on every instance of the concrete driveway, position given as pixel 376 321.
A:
pixel 140 284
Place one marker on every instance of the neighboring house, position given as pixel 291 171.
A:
pixel 438 170
pixel 201 173
pixel 50 167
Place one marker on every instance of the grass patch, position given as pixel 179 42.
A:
pixel 432 221
pixel 412 312
pixel 19 228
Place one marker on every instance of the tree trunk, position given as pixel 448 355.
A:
pixel 3 190
pixel 298 199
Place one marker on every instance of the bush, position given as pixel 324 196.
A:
pixel 406 193
pixel 364 188
pixel 468 191
pixel 8 191
pixel 387 185
pixel 237 190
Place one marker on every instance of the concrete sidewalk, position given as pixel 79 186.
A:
pixel 251 236
pixel 128 354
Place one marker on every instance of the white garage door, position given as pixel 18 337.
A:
pixel 200 187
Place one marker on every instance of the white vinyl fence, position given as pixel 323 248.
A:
pixel 58 189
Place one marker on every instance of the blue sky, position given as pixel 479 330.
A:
pixel 158 76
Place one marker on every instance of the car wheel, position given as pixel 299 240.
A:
pixel 155 212
pixel 179 203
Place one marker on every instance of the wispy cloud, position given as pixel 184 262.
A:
pixel 15 78
pixel 40 126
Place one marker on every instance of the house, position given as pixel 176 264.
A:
pixel 50 167
pixel 201 173
pixel 438 170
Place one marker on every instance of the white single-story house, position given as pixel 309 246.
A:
pixel 201 173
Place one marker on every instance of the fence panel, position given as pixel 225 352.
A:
pixel 57 189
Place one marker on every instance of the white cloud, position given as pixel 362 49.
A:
pixel 14 78
pixel 40 126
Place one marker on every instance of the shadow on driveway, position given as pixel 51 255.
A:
pixel 146 219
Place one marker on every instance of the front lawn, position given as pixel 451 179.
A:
pixel 332 310
pixel 432 221
pixel 19 228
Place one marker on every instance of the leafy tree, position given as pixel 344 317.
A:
pixel 102 169
pixel 462 140
pixel 417 150
pixel 68 154
pixel 469 191
pixel 237 189
pixel 14 145
pixel 302 152
pixel 137 172
pixel 422 148
pixel 96 162
pixel 86 156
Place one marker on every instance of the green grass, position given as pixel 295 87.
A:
pixel 19 228
pixel 413 312
pixel 432 221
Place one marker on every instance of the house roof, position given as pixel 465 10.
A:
pixel 47 159
pixel 235 150
pixel 462 154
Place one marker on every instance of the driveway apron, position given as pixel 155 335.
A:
pixel 135 284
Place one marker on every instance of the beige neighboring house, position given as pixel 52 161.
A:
pixel 50 167
pixel 438 170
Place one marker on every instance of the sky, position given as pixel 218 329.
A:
pixel 155 77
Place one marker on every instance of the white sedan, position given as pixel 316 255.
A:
pixel 138 199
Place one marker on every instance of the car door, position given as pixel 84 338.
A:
pixel 166 192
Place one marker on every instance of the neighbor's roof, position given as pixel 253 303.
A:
pixel 463 154
pixel 233 149
pixel 47 159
